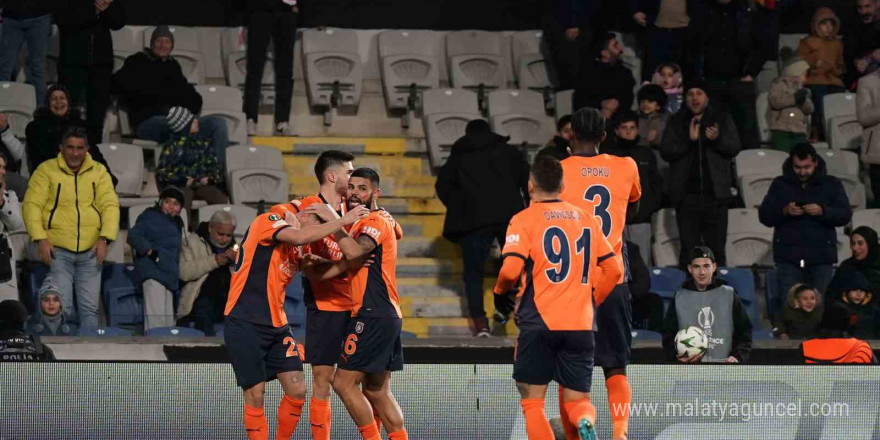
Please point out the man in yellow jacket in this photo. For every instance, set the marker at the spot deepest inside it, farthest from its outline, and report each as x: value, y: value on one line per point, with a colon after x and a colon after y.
x: 72, y: 212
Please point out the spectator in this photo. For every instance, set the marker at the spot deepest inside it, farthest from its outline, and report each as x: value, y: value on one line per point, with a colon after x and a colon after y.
x: 652, y: 115
x: 26, y: 21
x: 72, y: 211
x: 12, y: 152
x: 730, y: 62
x: 824, y: 52
x: 49, y: 319
x: 568, y: 31
x: 865, y: 260
x: 804, y: 206
x: 789, y: 107
x: 606, y: 84
x: 836, y: 344
x: 206, y: 260
x: 801, y: 316
x: 647, y: 307
x: 670, y: 33
x: 276, y: 19
x: 708, y: 303
x: 155, y: 243
x: 868, y: 115
x: 626, y: 144
x: 857, y: 296
x: 151, y: 82
x: 668, y: 77
x: 43, y: 134
x: 861, y: 42
x: 699, y: 143
x: 86, y: 60
x: 10, y: 220
x: 15, y: 344
x: 483, y: 184
x: 188, y: 161
x: 558, y: 146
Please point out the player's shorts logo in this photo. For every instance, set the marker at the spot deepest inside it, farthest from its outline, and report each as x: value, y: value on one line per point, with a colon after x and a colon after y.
x: 359, y: 327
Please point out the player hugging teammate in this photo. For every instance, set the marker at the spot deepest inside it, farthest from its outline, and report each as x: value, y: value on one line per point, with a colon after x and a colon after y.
x: 353, y: 312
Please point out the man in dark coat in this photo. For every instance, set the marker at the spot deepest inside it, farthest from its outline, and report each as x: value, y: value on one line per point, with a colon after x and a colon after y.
x: 86, y: 58
x: 607, y: 85
x: 568, y: 28
x: 483, y: 184
x: 861, y: 41
x: 625, y: 143
x: 699, y: 143
x: 804, y: 206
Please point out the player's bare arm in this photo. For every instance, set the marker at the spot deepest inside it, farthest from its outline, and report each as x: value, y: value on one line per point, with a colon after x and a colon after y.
x: 310, y: 234
x: 316, y: 268
x: 354, y: 249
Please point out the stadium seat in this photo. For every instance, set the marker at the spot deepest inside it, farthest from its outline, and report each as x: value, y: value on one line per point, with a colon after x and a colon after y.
x: 244, y: 157
x: 244, y: 215
x: 754, y: 188
x: 749, y: 242
x: 743, y: 280
x: 520, y: 115
x: 33, y: 275
x: 122, y: 296
x: 233, y: 48
x: 476, y: 61
x: 136, y: 210
x: 18, y: 102
x: 126, y: 42
x: 258, y: 186
x: 116, y: 250
x: 761, y: 106
x: 127, y: 164
x: 844, y: 132
x: 761, y: 335
x: 788, y: 44
x: 646, y: 335
x: 446, y: 112
x: 564, y: 103
x: 409, y: 64
x: 759, y: 161
x: 866, y: 217
x: 666, y: 281
x: 841, y: 163
x: 838, y: 104
x: 530, y: 65
x: 103, y: 332
x: 225, y: 102
x: 174, y: 331
x: 333, y: 68
x: 856, y: 192
x: 768, y: 73
x: 187, y: 51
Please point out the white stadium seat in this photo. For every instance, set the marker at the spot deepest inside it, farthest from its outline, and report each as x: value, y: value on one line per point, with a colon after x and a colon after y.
x: 126, y: 161
x: 520, y: 115
x: 446, y: 112
x: 225, y: 102
x: 409, y: 65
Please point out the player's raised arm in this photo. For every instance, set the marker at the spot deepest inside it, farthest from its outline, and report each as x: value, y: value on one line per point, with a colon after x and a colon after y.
x: 310, y: 234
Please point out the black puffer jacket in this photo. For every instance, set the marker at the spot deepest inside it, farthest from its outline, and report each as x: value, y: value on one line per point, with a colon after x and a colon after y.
x: 483, y: 183
x: 605, y: 81
x: 649, y: 176
x: 726, y: 41
x: 812, y: 239
x: 85, y: 35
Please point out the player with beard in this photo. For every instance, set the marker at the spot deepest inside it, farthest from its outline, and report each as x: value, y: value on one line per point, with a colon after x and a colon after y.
x: 372, y: 347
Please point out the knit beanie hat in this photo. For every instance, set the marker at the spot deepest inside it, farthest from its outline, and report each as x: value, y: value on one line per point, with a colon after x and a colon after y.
x: 796, y: 68
x: 696, y: 83
x: 172, y: 192
x: 588, y: 124
x: 179, y: 118
x: 161, y: 31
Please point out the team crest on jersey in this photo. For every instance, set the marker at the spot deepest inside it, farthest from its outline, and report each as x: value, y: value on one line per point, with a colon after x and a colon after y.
x: 359, y: 327
x: 274, y: 217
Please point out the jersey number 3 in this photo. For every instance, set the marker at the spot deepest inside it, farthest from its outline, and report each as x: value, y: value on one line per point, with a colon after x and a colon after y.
x: 562, y: 258
x: 600, y: 209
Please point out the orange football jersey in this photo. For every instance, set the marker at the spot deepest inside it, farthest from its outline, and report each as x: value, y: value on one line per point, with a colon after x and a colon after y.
x: 604, y: 185
x: 374, y: 288
x: 330, y: 295
x: 561, y: 245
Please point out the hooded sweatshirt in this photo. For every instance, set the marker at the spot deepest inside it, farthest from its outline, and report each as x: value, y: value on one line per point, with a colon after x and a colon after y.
x: 824, y: 54
x: 45, y: 325
x: 864, y: 312
x: 798, y: 323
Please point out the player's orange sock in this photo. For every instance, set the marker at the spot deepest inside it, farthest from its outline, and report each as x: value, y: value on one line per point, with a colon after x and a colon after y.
x: 398, y: 435
x: 580, y: 409
x: 289, y: 412
x: 319, y: 416
x: 619, y: 398
x: 571, y: 432
x: 370, y: 432
x: 255, y: 423
x: 537, y: 425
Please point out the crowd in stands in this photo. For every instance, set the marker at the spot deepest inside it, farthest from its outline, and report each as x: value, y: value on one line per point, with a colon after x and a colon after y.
x: 691, y: 115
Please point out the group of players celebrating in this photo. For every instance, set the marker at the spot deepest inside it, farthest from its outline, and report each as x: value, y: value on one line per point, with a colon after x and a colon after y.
x: 346, y: 247
x: 564, y: 275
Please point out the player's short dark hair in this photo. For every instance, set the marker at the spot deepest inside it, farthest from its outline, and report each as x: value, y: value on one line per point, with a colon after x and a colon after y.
x: 547, y: 173
x: 75, y: 132
x: 329, y: 159
x: 367, y: 173
x: 562, y: 122
x: 803, y: 151
x: 626, y: 115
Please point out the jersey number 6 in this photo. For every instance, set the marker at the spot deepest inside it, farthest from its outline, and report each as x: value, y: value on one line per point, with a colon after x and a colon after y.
x: 562, y: 257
